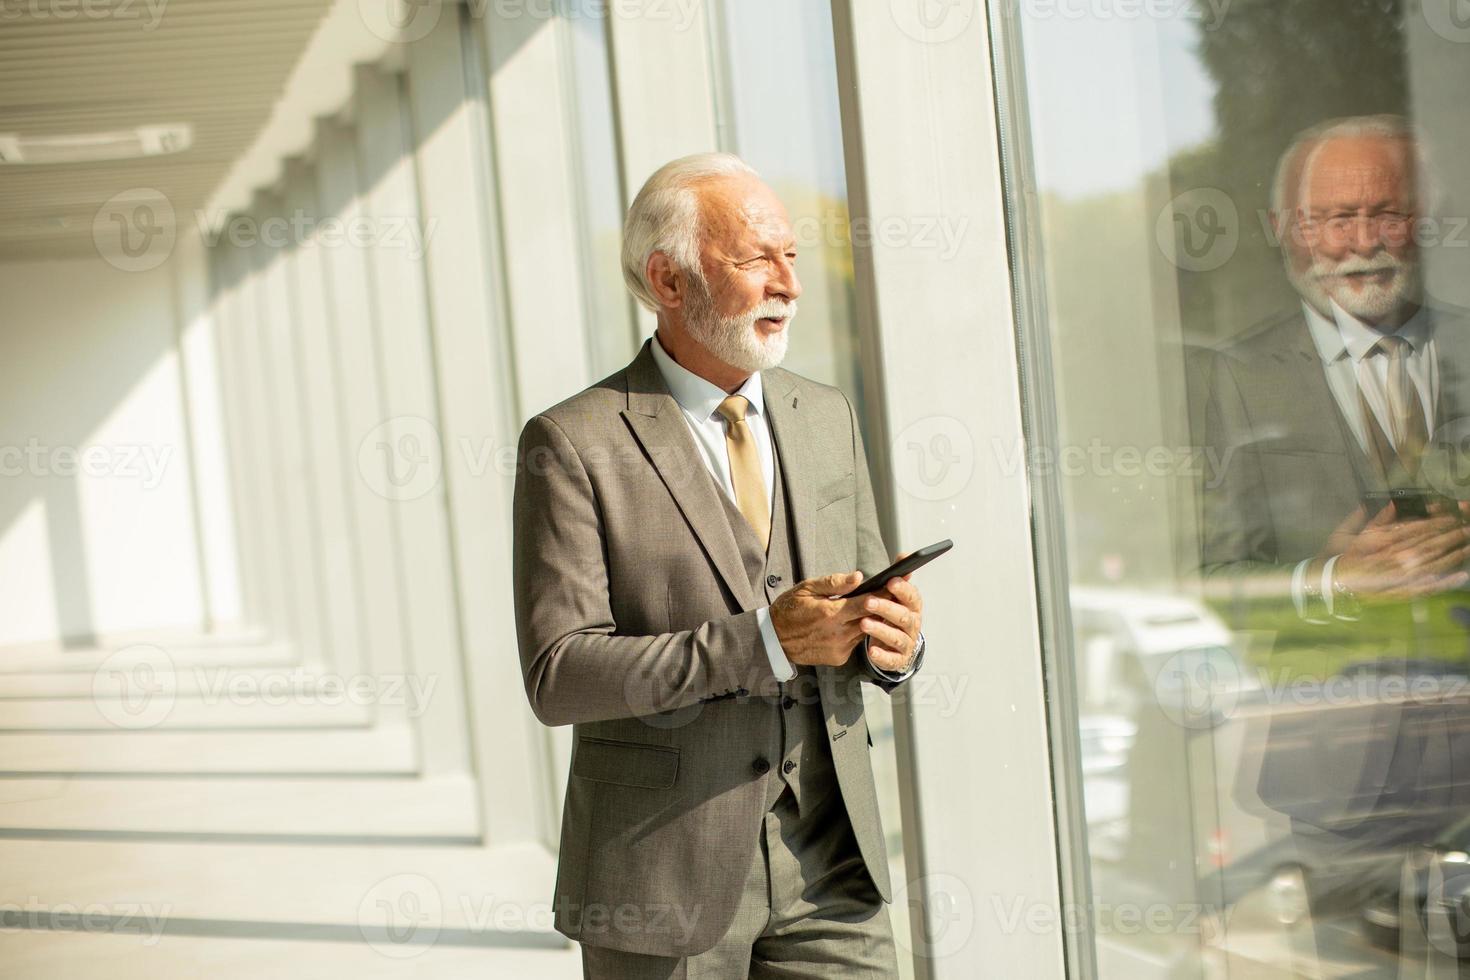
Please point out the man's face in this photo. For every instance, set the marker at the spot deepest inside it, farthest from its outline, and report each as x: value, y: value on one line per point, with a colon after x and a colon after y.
x: 1357, y: 215
x: 748, y: 256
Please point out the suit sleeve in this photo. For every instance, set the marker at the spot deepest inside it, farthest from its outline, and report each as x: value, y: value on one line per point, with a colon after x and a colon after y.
x: 575, y: 668
x: 1237, y: 536
x: 872, y: 554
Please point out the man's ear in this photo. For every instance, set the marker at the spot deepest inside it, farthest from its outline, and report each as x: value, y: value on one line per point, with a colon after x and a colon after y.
x: 666, y: 281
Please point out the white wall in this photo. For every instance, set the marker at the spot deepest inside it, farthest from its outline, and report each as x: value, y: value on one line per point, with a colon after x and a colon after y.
x: 97, y: 533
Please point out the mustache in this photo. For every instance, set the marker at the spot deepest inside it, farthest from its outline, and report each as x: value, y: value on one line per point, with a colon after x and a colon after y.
x: 1357, y: 265
x: 772, y: 309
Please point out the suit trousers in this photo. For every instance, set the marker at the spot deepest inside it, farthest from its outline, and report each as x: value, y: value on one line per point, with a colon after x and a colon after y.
x: 808, y: 910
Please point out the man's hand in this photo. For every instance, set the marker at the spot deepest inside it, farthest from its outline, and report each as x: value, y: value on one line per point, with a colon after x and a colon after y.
x: 813, y: 627
x: 1394, y: 559
x: 892, y: 623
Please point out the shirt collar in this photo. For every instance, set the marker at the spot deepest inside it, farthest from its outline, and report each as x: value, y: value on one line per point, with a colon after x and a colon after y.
x: 1346, y: 335
x: 697, y: 396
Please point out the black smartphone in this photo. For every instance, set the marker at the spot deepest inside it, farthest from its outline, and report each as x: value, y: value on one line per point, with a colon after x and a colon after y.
x: 901, y: 568
x: 1408, y: 504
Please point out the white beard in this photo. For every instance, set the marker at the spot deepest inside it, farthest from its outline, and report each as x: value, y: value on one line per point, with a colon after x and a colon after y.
x: 1310, y: 288
x: 1371, y: 303
x: 734, y: 339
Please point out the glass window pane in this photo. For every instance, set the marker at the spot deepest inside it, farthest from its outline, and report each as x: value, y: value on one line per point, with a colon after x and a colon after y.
x: 1240, y: 291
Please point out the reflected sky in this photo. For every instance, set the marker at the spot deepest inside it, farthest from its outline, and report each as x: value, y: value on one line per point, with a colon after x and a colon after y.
x: 1087, y: 141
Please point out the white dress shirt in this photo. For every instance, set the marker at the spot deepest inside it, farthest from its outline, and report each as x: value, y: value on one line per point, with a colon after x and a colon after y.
x: 1345, y: 340
x: 698, y: 400
x: 1342, y: 343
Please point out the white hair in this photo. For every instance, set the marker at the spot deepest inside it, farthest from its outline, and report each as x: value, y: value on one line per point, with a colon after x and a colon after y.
x: 665, y: 217
x: 1300, y: 144
x: 1310, y: 141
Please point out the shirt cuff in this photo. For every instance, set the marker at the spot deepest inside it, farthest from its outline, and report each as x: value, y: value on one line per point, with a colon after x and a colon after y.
x: 889, y: 676
x: 1302, y: 600
x: 780, y: 665
x: 1299, y: 587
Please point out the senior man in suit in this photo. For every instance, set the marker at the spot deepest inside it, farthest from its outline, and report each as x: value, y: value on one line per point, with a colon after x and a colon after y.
x: 1322, y: 412
x: 681, y: 530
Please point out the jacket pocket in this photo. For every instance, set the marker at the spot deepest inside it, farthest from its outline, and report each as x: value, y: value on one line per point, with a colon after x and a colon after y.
x: 834, y: 490
x: 606, y: 760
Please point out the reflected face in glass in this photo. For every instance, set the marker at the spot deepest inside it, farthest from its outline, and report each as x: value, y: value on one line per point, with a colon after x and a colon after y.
x: 1357, y: 211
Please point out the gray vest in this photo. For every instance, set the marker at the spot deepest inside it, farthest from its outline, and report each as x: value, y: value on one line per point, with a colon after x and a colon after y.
x: 798, y: 751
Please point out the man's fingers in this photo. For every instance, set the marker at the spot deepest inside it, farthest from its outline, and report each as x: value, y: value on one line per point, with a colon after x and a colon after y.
x: 887, y: 634
x: 1448, y: 540
x: 905, y: 592
x: 834, y: 585
x: 899, y: 615
x: 1412, y: 534
x: 1439, y: 568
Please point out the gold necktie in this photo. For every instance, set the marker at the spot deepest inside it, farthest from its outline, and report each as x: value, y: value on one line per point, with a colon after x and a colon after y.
x: 745, y: 468
x: 1408, y: 428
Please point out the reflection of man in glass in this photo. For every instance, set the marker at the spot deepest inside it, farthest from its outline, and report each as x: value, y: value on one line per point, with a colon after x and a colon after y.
x: 1331, y: 406
x: 1330, y: 504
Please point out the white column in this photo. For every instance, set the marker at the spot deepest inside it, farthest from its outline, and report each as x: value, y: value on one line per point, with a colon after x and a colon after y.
x: 266, y: 536
x: 408, y: 469
x: 235, y: 434
x: 208, y: 457
x: 921, y: 145
x: 535, y: 200
x: 291, y: 477
x: 479, y: 420
x: 345, y: 270
x: 321, y: 422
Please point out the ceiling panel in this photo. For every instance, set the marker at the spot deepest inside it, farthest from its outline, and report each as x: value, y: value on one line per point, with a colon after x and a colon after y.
x: 83, y: 66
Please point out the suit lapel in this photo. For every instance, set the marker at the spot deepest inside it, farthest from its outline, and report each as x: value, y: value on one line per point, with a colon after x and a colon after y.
x: 658, y: 425
x: 1312, y: 387
x: 797, y: 457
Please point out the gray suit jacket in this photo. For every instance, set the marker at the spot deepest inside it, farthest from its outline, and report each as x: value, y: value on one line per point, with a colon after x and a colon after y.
x: 1291, y: 470
x: 636, y: 623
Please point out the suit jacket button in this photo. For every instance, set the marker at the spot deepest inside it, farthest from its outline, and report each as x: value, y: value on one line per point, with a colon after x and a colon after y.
x: 761, y: 767
x: 772, y: 581
x: 788, y: 766
x: 788, y: 702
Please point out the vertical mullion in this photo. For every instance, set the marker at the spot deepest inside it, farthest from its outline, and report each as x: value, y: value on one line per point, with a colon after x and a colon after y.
x: 921, y: 144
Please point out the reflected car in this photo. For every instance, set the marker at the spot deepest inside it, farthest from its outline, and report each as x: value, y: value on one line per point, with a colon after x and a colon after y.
x: 1139, y: 648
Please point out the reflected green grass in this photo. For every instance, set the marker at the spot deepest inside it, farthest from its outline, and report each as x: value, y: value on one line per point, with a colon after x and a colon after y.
x: 1284, y: 647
